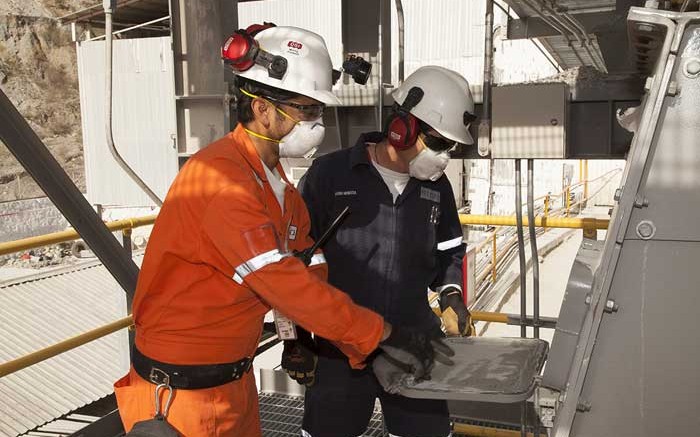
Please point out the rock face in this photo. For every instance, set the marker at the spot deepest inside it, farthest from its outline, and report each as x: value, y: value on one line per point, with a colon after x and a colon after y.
x: 38, y: 73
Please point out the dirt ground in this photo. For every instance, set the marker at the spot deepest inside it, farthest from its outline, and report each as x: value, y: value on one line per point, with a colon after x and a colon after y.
x: 38, y: 73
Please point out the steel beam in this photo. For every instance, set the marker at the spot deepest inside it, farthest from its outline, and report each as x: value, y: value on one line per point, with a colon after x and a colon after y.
x: 107, y: 426
x: 36, y: 158
x: 535, y: 27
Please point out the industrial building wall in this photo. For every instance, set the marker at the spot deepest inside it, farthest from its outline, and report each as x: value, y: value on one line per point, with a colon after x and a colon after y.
x: 448, y: 33
x: 144, y: 119
x: 325, y: 19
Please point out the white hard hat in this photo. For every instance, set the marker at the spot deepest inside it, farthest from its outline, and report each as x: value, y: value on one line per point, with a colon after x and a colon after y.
x: 309, y: 67
x: 447, y: 104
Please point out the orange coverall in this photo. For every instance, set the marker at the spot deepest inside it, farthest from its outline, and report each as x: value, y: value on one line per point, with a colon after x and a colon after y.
x: 195, y: 305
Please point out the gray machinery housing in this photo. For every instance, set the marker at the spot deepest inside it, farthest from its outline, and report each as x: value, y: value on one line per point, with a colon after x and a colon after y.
x: 623, y: 360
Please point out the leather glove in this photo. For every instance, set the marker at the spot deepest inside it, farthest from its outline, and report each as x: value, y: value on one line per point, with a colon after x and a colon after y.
x: 299, y: 358
x: 415, y: 351
x: 455, y: 315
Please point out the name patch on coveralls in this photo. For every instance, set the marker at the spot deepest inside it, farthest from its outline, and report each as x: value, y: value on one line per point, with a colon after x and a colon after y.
x: 346, y: 193
x: 428, y: 194
x: 292, y: 233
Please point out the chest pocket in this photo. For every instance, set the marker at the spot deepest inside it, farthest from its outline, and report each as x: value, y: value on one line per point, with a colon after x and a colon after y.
x: 346, y: 199
x: 431, y: 220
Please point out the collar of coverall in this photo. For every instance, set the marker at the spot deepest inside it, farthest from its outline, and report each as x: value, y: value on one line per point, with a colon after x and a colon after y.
x: 246, y: 147
x: 358, y: 154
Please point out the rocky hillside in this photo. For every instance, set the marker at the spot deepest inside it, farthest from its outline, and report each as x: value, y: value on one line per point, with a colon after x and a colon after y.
x: 38, y: 73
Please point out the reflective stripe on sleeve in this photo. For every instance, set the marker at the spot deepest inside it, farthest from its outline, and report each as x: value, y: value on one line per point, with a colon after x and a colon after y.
x: 256, y: 263
x: 441, y: 288
x: 450, y: 244
x: 317, y: 259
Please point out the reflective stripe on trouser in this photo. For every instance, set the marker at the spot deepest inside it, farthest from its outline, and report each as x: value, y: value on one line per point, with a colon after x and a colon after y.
x: 227, y: 410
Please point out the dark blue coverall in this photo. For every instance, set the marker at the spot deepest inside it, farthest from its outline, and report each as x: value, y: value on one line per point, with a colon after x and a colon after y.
x: 385, y: 255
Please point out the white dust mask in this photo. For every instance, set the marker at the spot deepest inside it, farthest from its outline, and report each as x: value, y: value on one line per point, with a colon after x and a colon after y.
x: 428, y: 165
x: 303, y: 140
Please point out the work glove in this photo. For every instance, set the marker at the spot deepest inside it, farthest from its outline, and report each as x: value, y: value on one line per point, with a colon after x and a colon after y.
x: 415, y: 352
x: 299, y: 358
x: 455, y: 315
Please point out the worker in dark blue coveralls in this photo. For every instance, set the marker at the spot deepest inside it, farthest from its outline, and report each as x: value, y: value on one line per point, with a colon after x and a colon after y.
x: 401, y: 238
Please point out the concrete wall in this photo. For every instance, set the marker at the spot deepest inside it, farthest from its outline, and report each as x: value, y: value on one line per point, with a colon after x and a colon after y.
x: 27, y: 218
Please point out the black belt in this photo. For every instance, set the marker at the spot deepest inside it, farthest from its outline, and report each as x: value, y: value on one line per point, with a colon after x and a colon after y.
x: 189, y: 377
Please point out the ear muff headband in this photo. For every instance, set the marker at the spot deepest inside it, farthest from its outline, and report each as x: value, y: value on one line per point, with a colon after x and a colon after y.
x: 402, y: 127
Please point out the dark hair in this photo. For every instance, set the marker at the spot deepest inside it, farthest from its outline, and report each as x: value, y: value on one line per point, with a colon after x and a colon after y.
x: 243, y: 108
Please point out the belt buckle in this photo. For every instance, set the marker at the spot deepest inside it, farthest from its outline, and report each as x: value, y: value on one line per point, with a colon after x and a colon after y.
x: 158, y: 376
x: 242, y: 368
x: 248, y: 365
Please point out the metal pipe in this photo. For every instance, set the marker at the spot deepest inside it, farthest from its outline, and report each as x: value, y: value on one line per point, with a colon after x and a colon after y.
x: 541, y: 222
x: 685, y: 5
x: 402, y: 38
x: 137, y: 26
x: 597, y: 63
x: 494, y: 258
x: 555, y: 25
x: 70, y: 235
x: 63, y: 346
x: 109, y: 6
x: 37, y: 160
x: 339, y: 137
x: 533, y: 248
x: 488, y: 64
x: 484, y: 130
x: 521, y: 246
x: 380, y: 61
x: 546, y: 55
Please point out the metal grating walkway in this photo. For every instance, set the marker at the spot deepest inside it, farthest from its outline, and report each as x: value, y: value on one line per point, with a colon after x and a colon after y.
x: 280, y: 416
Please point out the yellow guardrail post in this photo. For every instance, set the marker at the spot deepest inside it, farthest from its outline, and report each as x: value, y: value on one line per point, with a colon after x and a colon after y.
x: 585, y: 179
x: 589, y: 229
x: 567, y: 193
x: 546, y: 204
x: 494, y: 258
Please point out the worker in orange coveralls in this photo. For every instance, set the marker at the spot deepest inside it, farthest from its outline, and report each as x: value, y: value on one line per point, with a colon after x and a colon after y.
x: 222, y: 254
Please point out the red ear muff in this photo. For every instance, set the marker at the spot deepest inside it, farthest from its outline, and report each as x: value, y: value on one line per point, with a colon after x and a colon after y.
x: 402, y: 131
x: 239, y: 51
x: 402, y: 128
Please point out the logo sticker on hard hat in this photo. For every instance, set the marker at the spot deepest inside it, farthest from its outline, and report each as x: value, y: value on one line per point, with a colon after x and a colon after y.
x: 292, y: 47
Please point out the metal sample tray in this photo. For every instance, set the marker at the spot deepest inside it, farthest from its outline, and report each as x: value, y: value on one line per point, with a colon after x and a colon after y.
x: 501, y: 370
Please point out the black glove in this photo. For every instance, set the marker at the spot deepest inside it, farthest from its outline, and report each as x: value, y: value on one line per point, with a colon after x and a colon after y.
x: 299, y: 358
x: 455, y: 315
x: 415, y: 351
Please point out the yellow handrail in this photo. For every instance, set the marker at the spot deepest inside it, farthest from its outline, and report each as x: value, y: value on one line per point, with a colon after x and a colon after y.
x: 110, y: 328
x: 70, y: 235
x: 63, y: 346
x: 543, y: 222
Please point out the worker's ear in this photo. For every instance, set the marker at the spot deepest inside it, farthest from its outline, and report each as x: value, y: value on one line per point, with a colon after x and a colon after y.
x: 261, y: 111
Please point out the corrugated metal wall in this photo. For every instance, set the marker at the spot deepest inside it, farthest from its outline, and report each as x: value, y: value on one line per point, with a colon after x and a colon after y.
x: 144, y: 119
x: 321, y: 16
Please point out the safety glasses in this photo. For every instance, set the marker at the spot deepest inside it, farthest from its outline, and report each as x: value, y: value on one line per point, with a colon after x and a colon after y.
x: 308, y: 112
x: 435, y: 143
